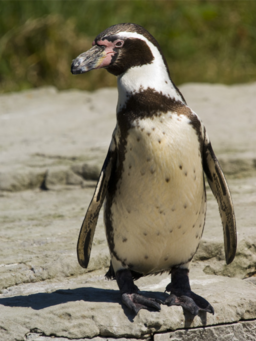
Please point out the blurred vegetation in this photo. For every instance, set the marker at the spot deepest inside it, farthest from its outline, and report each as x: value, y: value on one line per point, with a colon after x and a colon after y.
x: 203, y: 41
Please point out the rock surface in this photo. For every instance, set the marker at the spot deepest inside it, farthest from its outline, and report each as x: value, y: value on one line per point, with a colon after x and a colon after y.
x: 232, y: 332
x: 52, y: 146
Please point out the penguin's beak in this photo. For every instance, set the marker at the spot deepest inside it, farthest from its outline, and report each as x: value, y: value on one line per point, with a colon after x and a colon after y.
x: 89, y: 60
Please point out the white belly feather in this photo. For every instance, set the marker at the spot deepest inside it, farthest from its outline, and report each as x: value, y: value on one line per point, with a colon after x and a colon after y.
x: 159, y: 209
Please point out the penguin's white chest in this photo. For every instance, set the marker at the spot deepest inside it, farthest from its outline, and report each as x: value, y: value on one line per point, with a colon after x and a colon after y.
x: 158, y: 210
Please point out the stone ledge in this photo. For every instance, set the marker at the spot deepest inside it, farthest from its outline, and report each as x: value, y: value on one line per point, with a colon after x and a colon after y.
x: 89, y: 307
x: 61, y: 132
x: 240, y: 331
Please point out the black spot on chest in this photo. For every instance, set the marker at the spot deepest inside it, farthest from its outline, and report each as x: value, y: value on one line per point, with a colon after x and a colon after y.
x: 146, y: 104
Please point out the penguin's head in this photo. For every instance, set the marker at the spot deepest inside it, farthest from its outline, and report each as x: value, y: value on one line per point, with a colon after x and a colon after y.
x: 119, y: 48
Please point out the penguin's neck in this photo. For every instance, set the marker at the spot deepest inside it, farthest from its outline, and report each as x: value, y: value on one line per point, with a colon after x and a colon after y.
x: 153, y: 77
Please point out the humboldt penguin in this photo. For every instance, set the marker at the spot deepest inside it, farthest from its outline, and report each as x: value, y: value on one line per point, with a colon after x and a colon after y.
x: 152, y: 179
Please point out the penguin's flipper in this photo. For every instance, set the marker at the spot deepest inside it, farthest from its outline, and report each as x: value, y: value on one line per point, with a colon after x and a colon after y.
x: 219, y: 187
x: 84, y: 243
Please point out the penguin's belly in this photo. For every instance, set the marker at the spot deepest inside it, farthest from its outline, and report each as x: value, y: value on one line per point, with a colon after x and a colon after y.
x: 158, y: 210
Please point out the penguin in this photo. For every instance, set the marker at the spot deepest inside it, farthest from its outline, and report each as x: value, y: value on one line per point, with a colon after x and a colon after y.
x: 152, y: 179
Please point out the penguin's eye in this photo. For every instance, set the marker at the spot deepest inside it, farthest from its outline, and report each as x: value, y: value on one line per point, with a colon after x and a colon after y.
x: 119, y: 43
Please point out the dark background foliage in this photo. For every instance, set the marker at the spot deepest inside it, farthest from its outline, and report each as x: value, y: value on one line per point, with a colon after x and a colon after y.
x: 203, y: 41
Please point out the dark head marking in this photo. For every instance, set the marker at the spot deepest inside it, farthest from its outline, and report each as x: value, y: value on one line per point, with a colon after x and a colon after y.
x: 117, y: 51
x: 141, y: 53
x: 131, y: 51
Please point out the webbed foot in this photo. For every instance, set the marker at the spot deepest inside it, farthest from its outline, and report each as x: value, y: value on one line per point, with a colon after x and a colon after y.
x: 135, y: 302
x: 130, y: 296
x: 181, y: 294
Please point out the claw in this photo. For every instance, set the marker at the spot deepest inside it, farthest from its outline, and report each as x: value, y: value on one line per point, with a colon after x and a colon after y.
x: 130, y: 298
x: 181, y: 294
x: 202, y: 303
x: 183, y: 301
x: 189, y: 303
x: 135, y: 302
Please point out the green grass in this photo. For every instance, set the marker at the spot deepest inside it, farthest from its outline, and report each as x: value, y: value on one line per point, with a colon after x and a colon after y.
x: 203, y: 41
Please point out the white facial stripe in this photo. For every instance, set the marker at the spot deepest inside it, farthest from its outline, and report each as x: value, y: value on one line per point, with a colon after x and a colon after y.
x: 154, y: 75
x: 153, y: 48
x: 157, y: 55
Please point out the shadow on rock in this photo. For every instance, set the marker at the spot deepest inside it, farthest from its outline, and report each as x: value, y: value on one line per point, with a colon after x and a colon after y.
x: 89, y: 294
x: 43, y: 300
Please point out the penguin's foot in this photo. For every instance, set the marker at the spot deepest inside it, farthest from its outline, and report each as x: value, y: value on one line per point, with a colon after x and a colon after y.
x: 135, y: 302
x: 182, y: 295
x: 190, y: 302
x: 130, y: 296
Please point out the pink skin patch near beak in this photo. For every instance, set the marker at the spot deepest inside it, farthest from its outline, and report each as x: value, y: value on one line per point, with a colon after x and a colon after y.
x: 108, y: 53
